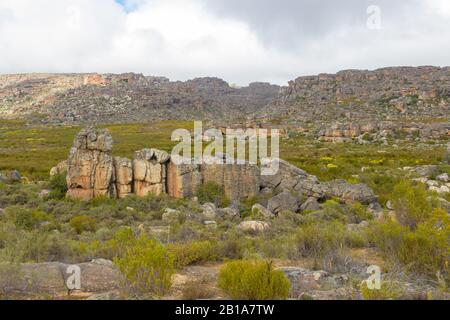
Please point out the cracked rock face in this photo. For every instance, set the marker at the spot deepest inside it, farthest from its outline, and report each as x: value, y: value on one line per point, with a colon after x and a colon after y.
x: 90, y: 167
x: 150, y: 172
x: 237, y: 180
x: 124, y: 176
x: 93, y: 172
x: 183, y: 180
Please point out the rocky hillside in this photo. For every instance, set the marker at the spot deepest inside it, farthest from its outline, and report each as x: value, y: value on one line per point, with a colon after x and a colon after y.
x: 358, y: 94
x: 95, y: 98
x: 415, y: 99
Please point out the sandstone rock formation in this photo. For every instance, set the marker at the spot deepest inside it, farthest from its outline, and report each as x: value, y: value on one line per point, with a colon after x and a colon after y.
x: 237, y: 180
x: 150, y: 172
x: 183, y: 179
x: 124, y: 176
x: 290, y: 180
x: 90, y: 167
x: 93, y: 172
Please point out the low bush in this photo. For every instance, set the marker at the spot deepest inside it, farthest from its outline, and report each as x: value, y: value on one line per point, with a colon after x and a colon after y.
x: 411, y: 203
x: 212, y: 192
x: 193, y: 252
x: 425, y: 250
x: 10, y: 276
x: 253, y: 280
x: 147, y: 266
x: 327, y: 243
x: 83, y: 223
x: 27, y: 219
x: 58, y: 186
x: 389, y: 290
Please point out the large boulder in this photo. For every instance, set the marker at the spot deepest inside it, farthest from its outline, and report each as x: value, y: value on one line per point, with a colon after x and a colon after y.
x: 350, y: 193
x: 285, y: 201
x: 258, y: 209
x: 254, y: 226
x: 150, y: 172
x: 90, y: 167
x: 52, y: 278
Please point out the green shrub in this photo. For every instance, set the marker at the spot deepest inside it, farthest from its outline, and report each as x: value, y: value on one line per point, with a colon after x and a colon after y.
x: 83, y: 223
x: 210, y: 192
x: 411, y: 203
x: 26, y: 218
x: 359, y: 213
x: 58, y: 186
x: 253, y: 280
x: 327, y: 243
x: 193, y: 252
x: 147, y: 266
x: 10, y: 276
x: 425, y: 250
x: 390, y: 290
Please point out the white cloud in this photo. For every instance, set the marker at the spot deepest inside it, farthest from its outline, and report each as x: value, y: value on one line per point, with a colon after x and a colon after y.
x: 183, y: 39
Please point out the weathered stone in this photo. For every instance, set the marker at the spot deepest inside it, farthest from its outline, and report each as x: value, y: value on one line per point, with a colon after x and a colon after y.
x: 229, y: 213
x: 350, y: 193
x: 285, y: 201
x: 15, y: 176
x: 183, y: 180
x: 59, y: 168
x: 150, y: 172
x: 124, y: 176
x: 443, y: 177
x: 259, y: 209
x: 91, y: 166
x: 254, y: 226
x: 311, y: 204
x: 44, y: 193
x: 209, y: 211
x: 239, y: 181
x: 171, y: 215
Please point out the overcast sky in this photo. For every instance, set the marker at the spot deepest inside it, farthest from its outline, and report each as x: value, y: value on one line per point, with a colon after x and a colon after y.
x: 238, y: 40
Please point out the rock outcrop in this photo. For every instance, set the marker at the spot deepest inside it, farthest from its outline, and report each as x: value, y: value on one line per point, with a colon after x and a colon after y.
x: 292, y: 180
x: 183, y: 180
x: 90, y: 167
x: 124, y: 176
x: 150, y: 172
x: 93, y: 172
x: 236, y: 180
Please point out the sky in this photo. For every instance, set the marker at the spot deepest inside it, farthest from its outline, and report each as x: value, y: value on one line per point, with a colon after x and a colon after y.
x: 240, y: 41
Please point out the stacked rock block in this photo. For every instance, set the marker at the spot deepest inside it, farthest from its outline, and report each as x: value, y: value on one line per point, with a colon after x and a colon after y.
x: 93, y: 172
x: 124, y: 176
x: 150, y: 172
x: 90, y: 165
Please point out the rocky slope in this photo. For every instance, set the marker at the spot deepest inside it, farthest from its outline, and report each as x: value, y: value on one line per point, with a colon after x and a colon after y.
x: 351, y: 105
x: 95, y: 98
